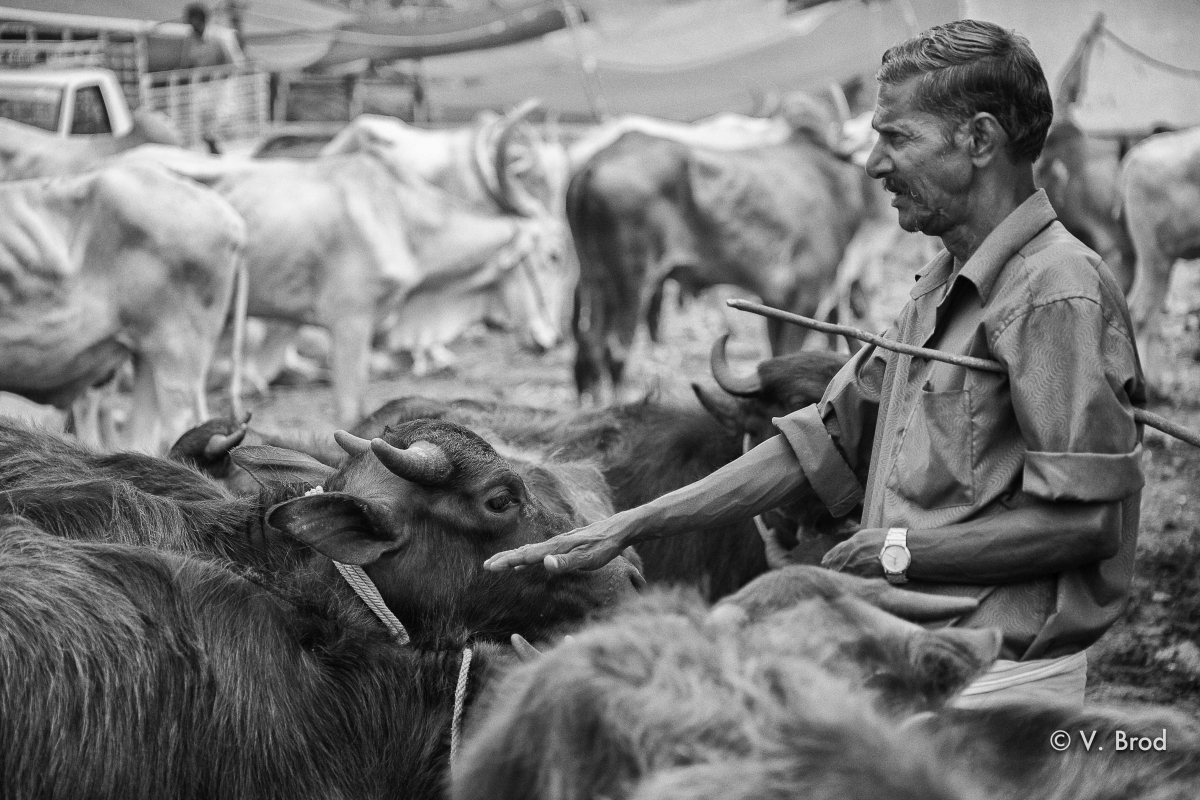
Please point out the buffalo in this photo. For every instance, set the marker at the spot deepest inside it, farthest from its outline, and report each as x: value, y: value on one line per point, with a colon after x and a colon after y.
x: 670, y: 700
x: 774, y: 220
x: 419, y: 509
x: 211, y: 648
x: 644, y: 449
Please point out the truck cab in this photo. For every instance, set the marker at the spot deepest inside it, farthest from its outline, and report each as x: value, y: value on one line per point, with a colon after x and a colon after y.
x: 68, y: 102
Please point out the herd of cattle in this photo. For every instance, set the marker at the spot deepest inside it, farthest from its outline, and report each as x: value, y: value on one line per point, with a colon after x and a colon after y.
x: 181, y: 625
x: 397, y: 238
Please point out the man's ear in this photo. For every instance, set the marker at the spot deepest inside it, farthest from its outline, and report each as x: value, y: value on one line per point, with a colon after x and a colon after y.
x: 987, y: 138
x: 337, y: 525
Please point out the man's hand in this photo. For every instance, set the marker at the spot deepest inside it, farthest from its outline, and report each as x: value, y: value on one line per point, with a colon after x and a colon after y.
x: 590, y: 547
x: 858, y: 555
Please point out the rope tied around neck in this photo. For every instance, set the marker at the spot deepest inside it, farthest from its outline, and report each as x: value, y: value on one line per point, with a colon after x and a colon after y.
x: 366, y: 590
x: 460, y: 701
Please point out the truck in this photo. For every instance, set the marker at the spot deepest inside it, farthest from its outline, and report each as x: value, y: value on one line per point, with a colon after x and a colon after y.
x: 68, y: 102
x: 78, y: 82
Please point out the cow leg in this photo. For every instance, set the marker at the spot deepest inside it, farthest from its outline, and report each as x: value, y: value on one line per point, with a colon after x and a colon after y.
x: 587, y: 324
x: 1146, y: 298
x: 350, y: 363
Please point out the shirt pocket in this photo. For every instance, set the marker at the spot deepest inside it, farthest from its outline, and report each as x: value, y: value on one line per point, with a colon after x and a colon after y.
x: 935, y: 463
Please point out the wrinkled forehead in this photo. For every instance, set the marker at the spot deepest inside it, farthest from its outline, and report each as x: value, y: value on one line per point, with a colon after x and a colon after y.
x: 899, y: 105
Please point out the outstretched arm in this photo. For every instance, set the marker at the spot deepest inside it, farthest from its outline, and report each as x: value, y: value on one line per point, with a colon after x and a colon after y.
x: 754, y: 483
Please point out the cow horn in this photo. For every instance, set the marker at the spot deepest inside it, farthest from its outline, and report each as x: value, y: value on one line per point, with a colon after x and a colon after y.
x: 421, y: 462
x: 920, y: 607
x: 513, y: 197
x: 219, y: 445
x: 738, y: 386
x: 351, y: 443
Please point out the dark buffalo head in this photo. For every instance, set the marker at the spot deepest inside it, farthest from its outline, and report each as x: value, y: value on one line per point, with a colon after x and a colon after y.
x: 864, y: 630
x: 778, y: 386
x: 666, y: 687
x: 420, y: 509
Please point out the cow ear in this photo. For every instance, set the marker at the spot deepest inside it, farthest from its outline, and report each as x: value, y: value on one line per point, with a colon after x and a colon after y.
x: 337, y: 525
x: 946, y: 660
x: 724, y: 410
x: 280, y: 465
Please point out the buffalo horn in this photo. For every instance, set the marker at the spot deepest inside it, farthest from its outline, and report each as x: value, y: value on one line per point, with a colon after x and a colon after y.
x: 920, y: 607
x: 738, y: 386
x: 219, y: 445
x: 351, y: 443
x: 421, y: 462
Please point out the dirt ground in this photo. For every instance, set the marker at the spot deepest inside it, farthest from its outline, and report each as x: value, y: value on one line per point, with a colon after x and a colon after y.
x: 1152, y: 654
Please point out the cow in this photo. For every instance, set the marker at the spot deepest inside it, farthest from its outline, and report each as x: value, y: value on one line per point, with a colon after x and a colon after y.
x: 128, y: 263
x: 398, y: 505
x: 669, y: 700
x: 1160, y: 190
x: 30, y: 152
x: 1081, y: 182
x: 352, y: 244
x: 172, y: 674
x: 774, y: 220
x: 644, y: 449
x: 1097, y: 752
x: 472, y: 163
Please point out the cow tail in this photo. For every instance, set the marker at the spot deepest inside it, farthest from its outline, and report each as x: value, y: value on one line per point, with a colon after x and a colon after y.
x: 241, y: 302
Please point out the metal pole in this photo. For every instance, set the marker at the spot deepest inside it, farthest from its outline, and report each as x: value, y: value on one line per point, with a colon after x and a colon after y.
x: 1139, y: 414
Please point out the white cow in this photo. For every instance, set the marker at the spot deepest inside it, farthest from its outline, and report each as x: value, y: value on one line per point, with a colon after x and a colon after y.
x: 126, y: 263
x: 1160, y: 194
x: 354, y: 245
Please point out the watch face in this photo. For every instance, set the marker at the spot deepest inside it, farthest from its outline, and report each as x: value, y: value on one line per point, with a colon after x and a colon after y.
x: 894, y: 558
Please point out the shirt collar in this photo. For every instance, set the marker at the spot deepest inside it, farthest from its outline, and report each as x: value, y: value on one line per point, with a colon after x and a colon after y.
x: 984, y: 266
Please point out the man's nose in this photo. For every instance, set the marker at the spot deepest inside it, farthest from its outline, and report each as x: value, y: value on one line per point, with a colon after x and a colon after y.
x: 878, y: 164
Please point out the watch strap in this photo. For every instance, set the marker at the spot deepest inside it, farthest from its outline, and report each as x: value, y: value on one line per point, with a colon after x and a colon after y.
x: 896, y: 537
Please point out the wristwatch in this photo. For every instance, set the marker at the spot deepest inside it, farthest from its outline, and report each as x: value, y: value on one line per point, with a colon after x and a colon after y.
x: 894, y: 557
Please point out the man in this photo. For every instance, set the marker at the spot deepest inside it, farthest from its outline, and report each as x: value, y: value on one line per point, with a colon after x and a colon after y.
x: 1021, y: 490
x: 199, y: 51
x: 209, y: 100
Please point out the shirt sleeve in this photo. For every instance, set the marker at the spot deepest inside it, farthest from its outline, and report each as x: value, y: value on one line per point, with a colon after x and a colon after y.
x: 833, y: 438
x: 1073, y: 376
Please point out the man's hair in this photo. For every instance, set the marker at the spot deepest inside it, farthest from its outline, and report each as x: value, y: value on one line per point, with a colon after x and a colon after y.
x: 196, y: 10
x: 967, y: 67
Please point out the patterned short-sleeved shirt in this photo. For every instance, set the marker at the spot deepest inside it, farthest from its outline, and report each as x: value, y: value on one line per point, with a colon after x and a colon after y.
x: 924, y: 444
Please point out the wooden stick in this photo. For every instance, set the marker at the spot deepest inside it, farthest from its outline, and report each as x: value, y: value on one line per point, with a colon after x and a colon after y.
x: 1139, y: 414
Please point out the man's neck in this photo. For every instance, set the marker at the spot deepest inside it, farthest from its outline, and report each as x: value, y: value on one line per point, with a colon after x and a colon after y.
x: 997, y: 196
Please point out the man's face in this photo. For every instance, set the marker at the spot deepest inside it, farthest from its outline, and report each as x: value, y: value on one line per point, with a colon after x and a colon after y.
x: 929, y: 175
x: 198, y: 23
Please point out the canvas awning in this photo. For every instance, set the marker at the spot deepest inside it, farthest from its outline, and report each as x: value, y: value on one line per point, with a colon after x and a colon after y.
x: 1115, y: 89
x: 418, y: 32
x: 684, y: 61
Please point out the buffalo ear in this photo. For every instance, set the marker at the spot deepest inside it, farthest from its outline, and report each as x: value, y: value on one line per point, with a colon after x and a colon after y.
x: 724, y: 410
x: 948, y: 659
x: 337, y: 525
x: 280, y: 465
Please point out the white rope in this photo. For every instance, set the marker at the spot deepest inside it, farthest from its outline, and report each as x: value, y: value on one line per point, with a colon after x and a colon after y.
x: 365, y: 589
x: 460, y: 701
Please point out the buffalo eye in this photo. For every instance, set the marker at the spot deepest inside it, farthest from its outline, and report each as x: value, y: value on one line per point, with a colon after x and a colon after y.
x: 502, y: 501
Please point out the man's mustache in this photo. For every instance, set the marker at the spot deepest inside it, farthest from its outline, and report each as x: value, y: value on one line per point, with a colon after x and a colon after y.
x: 895, y: 187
